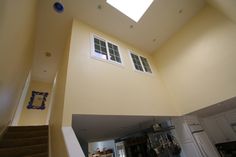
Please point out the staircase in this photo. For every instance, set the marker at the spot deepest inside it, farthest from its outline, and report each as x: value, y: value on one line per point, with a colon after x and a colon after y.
x: 25, y: 141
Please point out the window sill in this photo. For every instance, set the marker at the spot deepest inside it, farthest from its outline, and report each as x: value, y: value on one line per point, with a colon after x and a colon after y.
x: 121, y: 65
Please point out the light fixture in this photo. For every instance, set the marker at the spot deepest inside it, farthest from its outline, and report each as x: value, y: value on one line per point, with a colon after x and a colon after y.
x: 58, y: 7
x: 134, y: 9
x: 48, y: 54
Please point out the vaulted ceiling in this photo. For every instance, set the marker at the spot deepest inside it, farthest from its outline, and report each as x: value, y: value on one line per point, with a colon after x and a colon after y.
x: 160, y: 22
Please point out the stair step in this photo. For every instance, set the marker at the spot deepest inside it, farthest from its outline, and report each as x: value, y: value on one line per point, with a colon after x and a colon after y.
x: 38, y: 155
x: 6, y: 143
x: 27, y: 128
x: 24, y: 151
x: 27, y: 134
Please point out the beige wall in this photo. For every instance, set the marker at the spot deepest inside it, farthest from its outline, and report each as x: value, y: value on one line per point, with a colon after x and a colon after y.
x: 17, y: 23
x: 198, y: 63
x: 57, y: 144
x: 35, y: 116
x: 98, y: 87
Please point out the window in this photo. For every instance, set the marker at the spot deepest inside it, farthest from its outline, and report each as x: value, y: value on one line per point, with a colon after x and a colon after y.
x: 114, y: 53
x: 140, y: 63
x: 100, y: 48
x: 103, y: 49
x: 136, y: 61
x: 145, y: 64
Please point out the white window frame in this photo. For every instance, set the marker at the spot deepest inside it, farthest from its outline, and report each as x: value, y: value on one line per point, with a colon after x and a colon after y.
x: 93, y: 53
x: 134, y: 68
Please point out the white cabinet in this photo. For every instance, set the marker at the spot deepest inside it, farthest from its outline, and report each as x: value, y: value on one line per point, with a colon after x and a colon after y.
x: 226, y: 128
x: 193, y: 139
x: 212, y: 130
x: 185, y: 138
x: 190, y: 149
x: 191, y: 120
x: 231, y: 117
x: 219, y: 127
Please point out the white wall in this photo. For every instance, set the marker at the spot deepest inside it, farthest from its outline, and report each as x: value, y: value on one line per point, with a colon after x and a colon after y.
x: 35, y: 116
x: 22, y: 101
x: 98, y: 87
x: 17, y: 23
x: 55, y: 122
x: 198, y: 63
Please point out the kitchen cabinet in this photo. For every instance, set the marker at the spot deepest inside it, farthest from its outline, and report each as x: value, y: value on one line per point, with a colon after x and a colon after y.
x: 219, y: 127
x: 213, y: 131
x: 185, y: 138
x: 231, y: 117
x: 226, y: 128
x: 193, y: 138
x: 190, y: 149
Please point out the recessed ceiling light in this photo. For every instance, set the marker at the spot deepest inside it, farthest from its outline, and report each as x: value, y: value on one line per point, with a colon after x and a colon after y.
x: 58, y: 7
x: 99, y: 7
x: 48, y: 54
x: 134, y: 9
x: 180, y: 11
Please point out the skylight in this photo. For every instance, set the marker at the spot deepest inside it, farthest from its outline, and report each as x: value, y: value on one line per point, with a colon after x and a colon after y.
x: 134, y: 9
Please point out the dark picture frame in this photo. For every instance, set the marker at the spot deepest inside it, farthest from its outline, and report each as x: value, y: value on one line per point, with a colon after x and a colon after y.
x: 41, y: 105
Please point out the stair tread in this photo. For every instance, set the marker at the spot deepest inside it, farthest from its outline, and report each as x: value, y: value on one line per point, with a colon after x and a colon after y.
x: 38, y: 155
x: 24, y: 150
x: 23, y: 141
x: 29, y: 134
x: 19, y: 147
x: 26, y: 128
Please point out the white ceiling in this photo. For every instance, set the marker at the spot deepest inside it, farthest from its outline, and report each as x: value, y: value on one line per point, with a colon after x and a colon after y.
x: 163, y: 18
x: 220, y: 107
x: 227, y: 7
x: 160, y: 22
x: 93, y: 128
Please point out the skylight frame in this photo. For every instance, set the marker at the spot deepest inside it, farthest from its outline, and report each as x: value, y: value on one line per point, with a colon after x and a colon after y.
x: 134, y: 9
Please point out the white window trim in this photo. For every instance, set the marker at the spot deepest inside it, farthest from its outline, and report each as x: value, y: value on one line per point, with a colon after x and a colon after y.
x: 142, y: 72
x: 101, y: 59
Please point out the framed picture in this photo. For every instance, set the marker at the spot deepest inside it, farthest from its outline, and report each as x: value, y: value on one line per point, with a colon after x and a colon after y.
x: 37, y: 100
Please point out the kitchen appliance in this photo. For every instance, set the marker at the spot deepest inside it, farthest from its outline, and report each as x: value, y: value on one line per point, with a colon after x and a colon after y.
x: 120, y: 149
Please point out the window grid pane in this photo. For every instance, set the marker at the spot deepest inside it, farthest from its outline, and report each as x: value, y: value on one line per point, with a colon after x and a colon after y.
x: 100, y: 47
x: 145, y: 64
x: 114, y: 53
x: 136, y: 61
